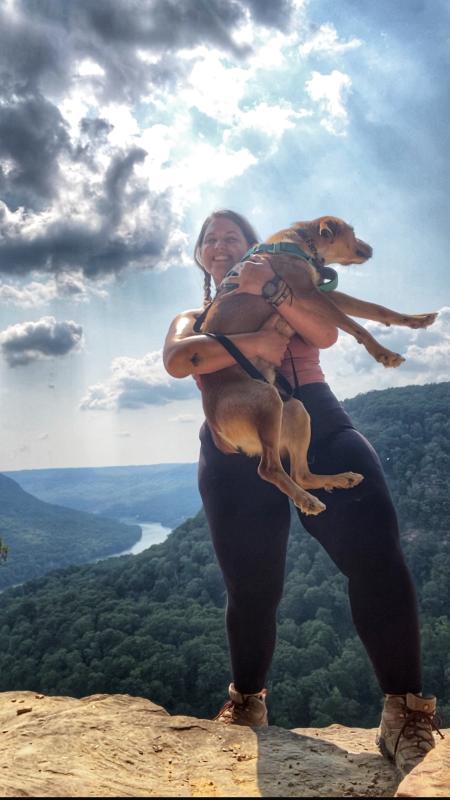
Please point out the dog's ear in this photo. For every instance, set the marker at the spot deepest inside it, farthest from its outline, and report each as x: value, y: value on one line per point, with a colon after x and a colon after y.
x: 328, y: 229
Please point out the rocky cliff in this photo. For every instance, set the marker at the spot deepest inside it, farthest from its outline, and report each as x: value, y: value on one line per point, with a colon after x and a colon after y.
x: 117, y: 745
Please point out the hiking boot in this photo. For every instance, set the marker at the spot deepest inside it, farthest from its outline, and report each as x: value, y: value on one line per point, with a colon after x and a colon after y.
x: 405, y: 734
x: 244, y: 709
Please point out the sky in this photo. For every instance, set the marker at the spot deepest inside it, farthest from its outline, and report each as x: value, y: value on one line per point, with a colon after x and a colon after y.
x: 124, y: 123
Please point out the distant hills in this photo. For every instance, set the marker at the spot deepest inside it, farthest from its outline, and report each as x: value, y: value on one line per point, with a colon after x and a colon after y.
x: 153, y: 624
x: 42, y: 537
x: 165, y: 493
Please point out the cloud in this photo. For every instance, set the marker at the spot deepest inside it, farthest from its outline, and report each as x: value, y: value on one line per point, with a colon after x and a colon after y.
x: 27, y: 342
x: 33, y: 135
x: 427, y: 352
x: 30, y: 296
x: 326, y: 41
x: 77, y: 195
x: 272, y: 14
x: 61, y: 287
x: 101, y: 228
x: 128, y: 44
x: 329, y: 92
x: 136, y: 383
x: 183, y: 418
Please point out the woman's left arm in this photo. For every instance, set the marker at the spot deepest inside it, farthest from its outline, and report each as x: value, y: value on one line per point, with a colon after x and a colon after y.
x: 313, y: 329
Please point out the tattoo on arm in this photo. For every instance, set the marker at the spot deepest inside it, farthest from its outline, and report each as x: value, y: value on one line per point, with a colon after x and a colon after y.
x: 195, y: 359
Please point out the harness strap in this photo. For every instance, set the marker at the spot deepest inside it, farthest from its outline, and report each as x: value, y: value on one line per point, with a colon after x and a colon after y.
x: 282, y: 384
x: 294, y: 371
x: 328, y: 275
x: 279, y: 247
x: 197, y: 327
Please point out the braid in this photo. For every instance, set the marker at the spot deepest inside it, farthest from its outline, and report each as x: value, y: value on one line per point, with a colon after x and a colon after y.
x: 206, y: 288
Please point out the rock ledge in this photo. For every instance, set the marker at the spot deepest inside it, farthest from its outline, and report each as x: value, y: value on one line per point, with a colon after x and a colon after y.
x: 123, y: 746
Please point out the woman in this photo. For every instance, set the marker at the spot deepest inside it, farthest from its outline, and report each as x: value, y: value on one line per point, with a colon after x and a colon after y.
x: 249, y: 518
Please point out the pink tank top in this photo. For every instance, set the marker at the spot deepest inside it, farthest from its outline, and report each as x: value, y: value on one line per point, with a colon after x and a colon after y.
x: 306, y: 363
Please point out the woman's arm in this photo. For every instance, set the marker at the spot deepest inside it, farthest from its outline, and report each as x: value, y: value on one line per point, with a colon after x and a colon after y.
x: 187, y: 353
x: 314, y: 329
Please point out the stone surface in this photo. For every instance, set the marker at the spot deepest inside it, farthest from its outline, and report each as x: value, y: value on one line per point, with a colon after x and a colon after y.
x: 122, y: 746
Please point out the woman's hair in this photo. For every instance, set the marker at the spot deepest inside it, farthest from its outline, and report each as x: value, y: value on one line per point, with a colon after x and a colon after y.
x: 248, y: 231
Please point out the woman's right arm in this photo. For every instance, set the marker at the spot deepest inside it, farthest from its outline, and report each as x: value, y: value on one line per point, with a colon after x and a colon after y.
x: 188, y: 353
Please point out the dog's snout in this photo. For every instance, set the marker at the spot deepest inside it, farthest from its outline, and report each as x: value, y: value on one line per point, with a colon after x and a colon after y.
x: 363, y: 250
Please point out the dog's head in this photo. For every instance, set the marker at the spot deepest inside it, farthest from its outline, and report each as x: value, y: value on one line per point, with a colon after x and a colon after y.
x: 334, y: 240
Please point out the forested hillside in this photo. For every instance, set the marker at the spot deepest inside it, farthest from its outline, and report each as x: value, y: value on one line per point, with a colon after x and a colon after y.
x: 165, y: 493
x: 153, y: 624
x: 42, y: 537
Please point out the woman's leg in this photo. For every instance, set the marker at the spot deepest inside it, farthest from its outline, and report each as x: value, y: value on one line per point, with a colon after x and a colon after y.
x: 359, y: 530
x: 249, y: 523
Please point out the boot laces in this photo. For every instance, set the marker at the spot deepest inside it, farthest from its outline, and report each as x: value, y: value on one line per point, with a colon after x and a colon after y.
x: 231, y: 710
x: 418, y: 725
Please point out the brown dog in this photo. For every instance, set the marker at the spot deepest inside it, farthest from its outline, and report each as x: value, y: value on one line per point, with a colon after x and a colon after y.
x: 248, y: 415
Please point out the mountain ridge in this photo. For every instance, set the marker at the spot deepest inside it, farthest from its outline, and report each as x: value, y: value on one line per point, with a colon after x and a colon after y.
x: 165, y: 493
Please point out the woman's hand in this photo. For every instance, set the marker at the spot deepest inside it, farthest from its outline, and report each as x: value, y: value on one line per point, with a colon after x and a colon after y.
x: 254, y: 273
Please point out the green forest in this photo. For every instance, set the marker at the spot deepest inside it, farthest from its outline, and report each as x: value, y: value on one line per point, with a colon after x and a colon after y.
x: 41, y: 537
x: 152, y: 624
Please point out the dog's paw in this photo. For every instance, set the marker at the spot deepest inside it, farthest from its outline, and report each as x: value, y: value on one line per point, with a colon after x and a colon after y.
x: 346, y: 480
x: 343, y: 480
x: 388, y: 358
x: 419, y: 320
x: 310, y: 505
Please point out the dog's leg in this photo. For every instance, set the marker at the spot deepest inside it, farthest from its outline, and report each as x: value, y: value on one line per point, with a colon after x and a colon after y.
x: 295, y: 439
x: 321, y: 304
x: 361, y: 308
x: 222, y: 444
x: 301, y: 283
x: 268, y: 426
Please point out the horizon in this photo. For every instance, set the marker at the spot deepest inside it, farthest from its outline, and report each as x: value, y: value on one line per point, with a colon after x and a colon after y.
x: 120, y: 132
x: 181, y: 463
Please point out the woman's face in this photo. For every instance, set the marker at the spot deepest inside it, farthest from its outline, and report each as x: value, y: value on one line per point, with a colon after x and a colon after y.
x: 223, y: 246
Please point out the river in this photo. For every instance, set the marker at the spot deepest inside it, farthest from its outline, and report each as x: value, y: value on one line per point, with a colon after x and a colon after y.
x: 152, y: 533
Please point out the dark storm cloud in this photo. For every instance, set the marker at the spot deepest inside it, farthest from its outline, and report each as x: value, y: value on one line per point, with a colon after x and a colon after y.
x: 160, y: 23
x: 32, y: 137
x: 27, y: 342
x: 112, y: 31
x: 40, y: 40
x: 29, y: 51
x: 41, y: 47
x: 95, y: 247
x: 116, y: 179
x: 266, y: 12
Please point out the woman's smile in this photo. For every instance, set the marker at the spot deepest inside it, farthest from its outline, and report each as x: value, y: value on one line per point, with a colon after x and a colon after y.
x: 223, y: 246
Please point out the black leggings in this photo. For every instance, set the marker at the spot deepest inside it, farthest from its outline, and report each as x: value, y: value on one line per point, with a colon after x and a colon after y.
x: 249, y: 523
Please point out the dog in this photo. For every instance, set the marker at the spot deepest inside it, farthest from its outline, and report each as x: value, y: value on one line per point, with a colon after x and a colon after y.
x: 247, y: 415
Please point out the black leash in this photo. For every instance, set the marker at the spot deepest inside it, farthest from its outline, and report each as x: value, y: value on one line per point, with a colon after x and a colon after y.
x: 281, y: 383
x: 197, y: 328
